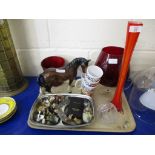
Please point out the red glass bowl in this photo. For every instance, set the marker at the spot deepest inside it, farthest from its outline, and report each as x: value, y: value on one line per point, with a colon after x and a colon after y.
x: 53, y: 62
x: 109, y: 61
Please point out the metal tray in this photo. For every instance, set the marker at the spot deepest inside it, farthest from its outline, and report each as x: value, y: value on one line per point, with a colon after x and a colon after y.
x: 101, y: 95
x: 32, y: 123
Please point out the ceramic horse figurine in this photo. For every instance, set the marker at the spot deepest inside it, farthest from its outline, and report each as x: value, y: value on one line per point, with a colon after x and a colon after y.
x: 52, y: 78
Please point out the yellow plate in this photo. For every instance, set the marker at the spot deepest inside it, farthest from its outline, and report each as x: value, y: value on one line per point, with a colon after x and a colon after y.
x: 7, y: 105
x: 8, y: 117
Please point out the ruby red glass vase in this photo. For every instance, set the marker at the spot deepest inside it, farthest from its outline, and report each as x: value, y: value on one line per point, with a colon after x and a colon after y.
x: 109, y: 61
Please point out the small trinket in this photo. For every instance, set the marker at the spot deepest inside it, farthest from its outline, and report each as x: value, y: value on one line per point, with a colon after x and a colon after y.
x: 41, y: 108
x: 87, y: 117
x: 51, y: 99
x: 87, y: 114
x: 56, y: 110
x: 70, y: 110
x: 77, y: 121
x: 70, y: 116
x: 54, y: 105
x: 46, y: 102
x: 43, y: 121
x: 39, y: 117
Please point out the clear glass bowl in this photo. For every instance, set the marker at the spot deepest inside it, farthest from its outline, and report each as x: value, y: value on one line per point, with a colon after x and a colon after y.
x: 142, y: 96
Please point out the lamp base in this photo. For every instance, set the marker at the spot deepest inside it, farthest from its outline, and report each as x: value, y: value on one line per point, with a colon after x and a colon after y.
x: 14, y: 92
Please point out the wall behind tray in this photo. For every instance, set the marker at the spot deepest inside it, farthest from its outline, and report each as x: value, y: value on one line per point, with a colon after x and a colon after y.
x: 36, y: 39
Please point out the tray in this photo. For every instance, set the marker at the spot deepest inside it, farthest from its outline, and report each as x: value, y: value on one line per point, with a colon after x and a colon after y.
x: 101, y: 95
x: 83, y: 98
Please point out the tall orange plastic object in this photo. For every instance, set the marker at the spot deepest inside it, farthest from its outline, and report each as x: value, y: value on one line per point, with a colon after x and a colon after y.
x: 133, y: 31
